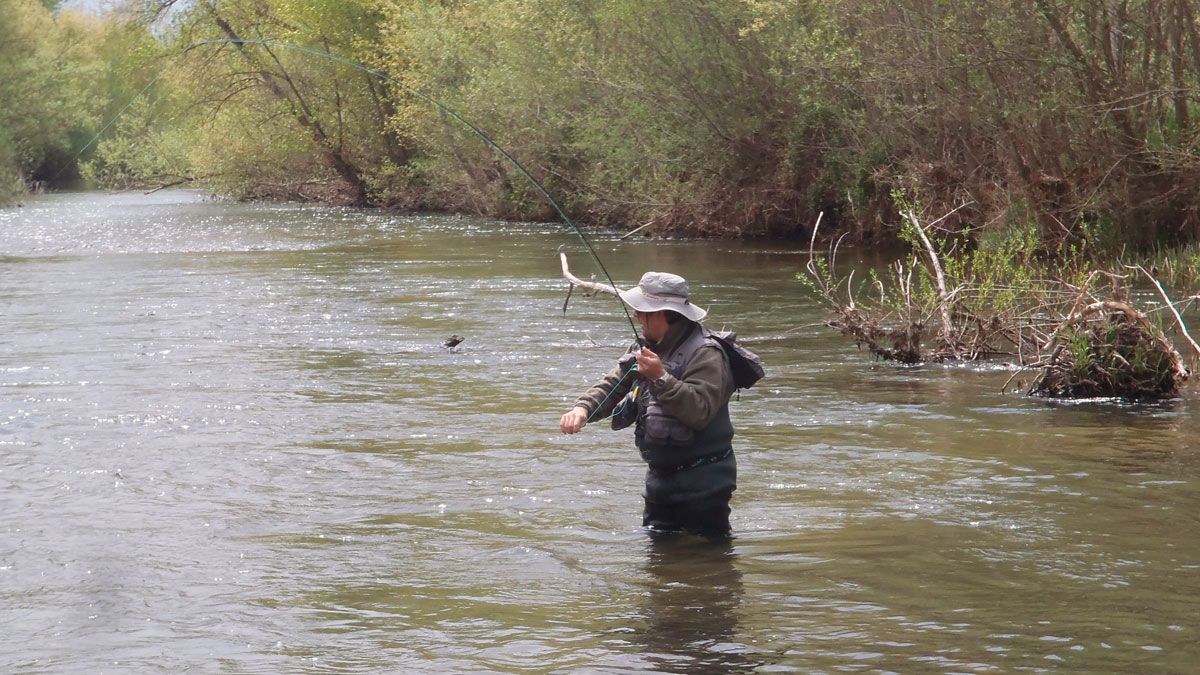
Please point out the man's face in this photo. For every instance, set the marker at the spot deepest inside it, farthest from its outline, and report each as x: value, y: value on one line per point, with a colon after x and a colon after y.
x: 654, y: 324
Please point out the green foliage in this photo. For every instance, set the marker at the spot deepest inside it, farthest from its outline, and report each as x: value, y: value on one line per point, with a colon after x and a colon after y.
x: 1112, y: 356
x: 701, y: 116
x: 1080, y: 345
x: 684, y: 112
x: 1177, y: 267
x: 137, y: 151
x: 45, y: 67
x: 151, y: 130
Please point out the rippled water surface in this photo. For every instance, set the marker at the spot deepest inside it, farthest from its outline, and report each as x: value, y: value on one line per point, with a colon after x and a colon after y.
x: 231, y: 441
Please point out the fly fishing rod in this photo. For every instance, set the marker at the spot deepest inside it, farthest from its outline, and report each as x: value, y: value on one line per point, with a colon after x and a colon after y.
x: 413, y: 92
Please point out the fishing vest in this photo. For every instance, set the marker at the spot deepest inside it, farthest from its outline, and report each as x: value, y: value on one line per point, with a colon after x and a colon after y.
x: 665, y: 443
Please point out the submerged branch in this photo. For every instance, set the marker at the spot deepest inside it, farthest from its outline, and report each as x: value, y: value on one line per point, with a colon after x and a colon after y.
x: 1080, y: 329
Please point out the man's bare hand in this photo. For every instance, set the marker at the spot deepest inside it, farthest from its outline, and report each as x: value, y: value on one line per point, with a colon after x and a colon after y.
x: 574, y: 420
x: 649, y: 365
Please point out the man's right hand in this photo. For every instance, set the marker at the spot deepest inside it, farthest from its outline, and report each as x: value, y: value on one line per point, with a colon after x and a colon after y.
x: 573, y: 421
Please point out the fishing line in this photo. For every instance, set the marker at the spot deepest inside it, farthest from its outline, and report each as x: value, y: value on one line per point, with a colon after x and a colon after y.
x: 120, y: 112
x: 414, y: 92
x: 633, y: 368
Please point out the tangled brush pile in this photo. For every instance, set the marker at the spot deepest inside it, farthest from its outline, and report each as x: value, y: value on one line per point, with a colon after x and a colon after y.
x: 1110, y: 350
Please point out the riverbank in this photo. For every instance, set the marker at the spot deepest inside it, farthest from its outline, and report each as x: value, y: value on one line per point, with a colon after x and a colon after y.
x: 699, y: 118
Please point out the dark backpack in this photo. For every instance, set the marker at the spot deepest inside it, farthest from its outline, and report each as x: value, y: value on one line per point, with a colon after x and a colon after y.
x: 746, y: 366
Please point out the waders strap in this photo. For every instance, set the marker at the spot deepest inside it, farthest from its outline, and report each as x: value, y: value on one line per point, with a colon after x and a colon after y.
x: 667, y: 471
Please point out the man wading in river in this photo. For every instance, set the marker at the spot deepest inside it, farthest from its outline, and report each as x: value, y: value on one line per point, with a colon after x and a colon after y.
x: 678, y: 396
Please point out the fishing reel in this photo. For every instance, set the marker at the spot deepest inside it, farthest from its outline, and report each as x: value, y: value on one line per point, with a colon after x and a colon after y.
x: 628, y: 363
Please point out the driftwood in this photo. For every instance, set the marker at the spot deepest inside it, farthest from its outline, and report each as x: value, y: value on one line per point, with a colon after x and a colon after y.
x: 1087, y: 339
x: 636, y: 230
x: 1171, y: 306
x: 591, y: 287
x: 946, y: 337
x: 1110, y: 349
x: 169, y: 184
x: 894, y: 335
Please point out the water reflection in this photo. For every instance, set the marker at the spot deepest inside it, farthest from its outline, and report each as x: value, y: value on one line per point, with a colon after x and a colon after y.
x: 691, y: 611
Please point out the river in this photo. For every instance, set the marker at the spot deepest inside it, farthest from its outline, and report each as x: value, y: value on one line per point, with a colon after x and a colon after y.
x: 232, y: 442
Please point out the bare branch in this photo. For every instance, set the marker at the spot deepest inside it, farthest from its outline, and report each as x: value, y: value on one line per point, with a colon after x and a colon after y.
x: 1170, y: 306
x: 637, y: 229
x: 943, y: 302
x: 592, y: 286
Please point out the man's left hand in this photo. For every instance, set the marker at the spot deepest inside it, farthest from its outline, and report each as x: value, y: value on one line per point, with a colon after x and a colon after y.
x: 649, y: 365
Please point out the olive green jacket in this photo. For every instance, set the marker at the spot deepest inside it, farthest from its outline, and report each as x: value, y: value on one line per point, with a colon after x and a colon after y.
x: 694, y: 400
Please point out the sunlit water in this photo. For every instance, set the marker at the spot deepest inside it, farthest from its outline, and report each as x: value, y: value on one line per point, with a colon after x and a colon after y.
x: 231, y: 441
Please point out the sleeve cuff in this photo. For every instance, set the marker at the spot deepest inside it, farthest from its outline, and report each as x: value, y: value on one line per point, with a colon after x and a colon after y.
x: 662, y: 384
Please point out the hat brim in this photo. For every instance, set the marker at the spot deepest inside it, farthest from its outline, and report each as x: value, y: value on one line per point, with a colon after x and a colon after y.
x: 636, y: 299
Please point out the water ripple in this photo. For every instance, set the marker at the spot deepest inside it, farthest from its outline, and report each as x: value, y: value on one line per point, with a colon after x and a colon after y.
x: 233, y: 441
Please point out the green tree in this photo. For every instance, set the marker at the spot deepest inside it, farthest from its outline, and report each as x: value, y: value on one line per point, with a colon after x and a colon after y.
x: 1075, y: 117
x: 44, y: 68
x: 271, y: 121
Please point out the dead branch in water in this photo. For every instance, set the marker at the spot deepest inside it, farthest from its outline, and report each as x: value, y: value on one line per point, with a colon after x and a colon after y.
x: 1171, y: 306
x: 1110, y: 349
x: 592, y: 286
x: 170, y: 184
x: 946, y: 337
x: 636, y: 230
x: 1081, y: 331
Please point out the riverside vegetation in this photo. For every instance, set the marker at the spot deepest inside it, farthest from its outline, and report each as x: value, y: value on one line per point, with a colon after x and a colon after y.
x: 1056, y: 137
x: 1078, y: 327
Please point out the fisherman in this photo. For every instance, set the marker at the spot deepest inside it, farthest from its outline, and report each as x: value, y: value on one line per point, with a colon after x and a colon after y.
x: 676, y: 388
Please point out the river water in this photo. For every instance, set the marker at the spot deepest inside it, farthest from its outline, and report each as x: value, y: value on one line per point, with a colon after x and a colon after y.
x: 231, y: 441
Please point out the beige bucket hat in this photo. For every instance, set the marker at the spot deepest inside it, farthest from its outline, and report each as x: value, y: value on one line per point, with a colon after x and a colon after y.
x: 662, y: 290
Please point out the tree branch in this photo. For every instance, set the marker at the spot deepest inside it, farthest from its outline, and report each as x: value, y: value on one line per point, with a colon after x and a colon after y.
x: 592, y: 286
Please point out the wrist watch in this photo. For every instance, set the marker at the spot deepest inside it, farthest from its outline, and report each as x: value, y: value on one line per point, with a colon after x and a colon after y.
x: 661, y: 379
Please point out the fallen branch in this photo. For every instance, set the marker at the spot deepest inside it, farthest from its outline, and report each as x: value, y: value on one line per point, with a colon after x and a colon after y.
x: 947, y: 334
x: 1170, y: 306
x: 593, y: 286
x: 1017, y: 371
x: 1123, y: 355
x: 164, y: 186
x: 1079, y: 329
x: 636, y: 230
x: 1103, y: 305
